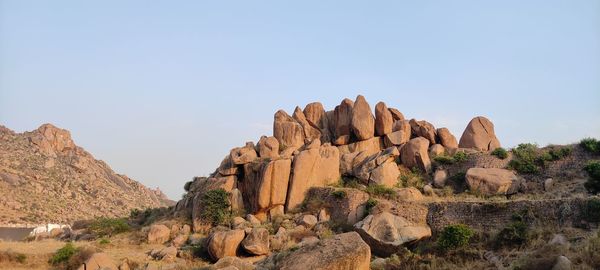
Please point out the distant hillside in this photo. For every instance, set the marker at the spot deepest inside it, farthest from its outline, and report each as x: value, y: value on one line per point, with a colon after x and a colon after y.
x: 45, y: 177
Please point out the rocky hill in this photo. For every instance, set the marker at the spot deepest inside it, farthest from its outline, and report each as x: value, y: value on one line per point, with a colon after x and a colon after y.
x: 45, y: 177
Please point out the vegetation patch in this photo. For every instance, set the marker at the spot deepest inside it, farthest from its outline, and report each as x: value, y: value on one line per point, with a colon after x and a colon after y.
x: 215, y: 206
x: 410, y: 178
x: 63, y: 254
x: 456, y: 158
x: 593, y: 170
x: 9, y: 256
x: 381, y: 191
x: 454, y: 236
x: 529, y: 159
x: 103, y: 227
x: 370, y: 204
x: 591, y: 145
x: 339, y: 194
x: 514, y: 234
x: 593, y: 210
x: 500, y: 153
x: 559, y: 152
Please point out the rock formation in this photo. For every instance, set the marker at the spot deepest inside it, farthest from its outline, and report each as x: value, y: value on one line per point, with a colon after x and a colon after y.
x: 46, y: 178
x: 315, y: 148
x: 479, y: 135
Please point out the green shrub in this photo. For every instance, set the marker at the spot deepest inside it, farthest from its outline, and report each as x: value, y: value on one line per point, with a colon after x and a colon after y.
x: 515, y: 233
x: 381, y: 190
x: 370, y: 204
x: 455, y: 236
x: 215, y: 206
x: 108, y: 226
x: 460, y: 157
x: 526, y: 159
x: 412, y: 178
x: 443, y: 159
x: 591, y: 145
x: 500, y: 153
x: 593, y: 210
x: 339, y: 194
x: 559, y: 152
x: 104, y: 241
x: 63, y: 254
x: 593, y: 183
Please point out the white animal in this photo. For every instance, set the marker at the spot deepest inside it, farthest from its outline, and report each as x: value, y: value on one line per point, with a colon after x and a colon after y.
x: 47, y: 228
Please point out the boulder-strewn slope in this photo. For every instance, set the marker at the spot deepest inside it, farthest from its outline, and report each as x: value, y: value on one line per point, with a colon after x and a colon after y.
x: 45, y: 177
x: 315, y: 148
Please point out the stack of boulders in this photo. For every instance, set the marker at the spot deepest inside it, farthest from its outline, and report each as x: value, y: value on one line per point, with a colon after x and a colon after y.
x: 315, y: 148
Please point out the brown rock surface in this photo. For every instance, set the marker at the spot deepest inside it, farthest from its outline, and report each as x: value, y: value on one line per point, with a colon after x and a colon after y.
x: 99, y: 261
x: 341, y: 121
x: 310, y: 132
x: 224, y: 243
x: 158, y: 234
x: 492, y: 181
x: 243, y: 155
x: 423, y: 129
x: 363, y: 122
x: 46, y: 163
x: 383, y: 119
x: 479, y: 134
x: 414, y: 154
x: 265, y: 184
x: 446, y: 138
x: 257, y: 242
x: 387, y: 233
x: 287, y: 130
x: 345, y: 251
x: 268, y: 147
x: 396, y: 114
x: 316, y: 116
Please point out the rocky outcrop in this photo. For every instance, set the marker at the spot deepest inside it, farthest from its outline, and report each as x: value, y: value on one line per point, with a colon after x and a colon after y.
x: 257, y: 242
x: 415, y: 154
x: 492, y: 181
x: 288, y: 132
x: 158, y: 234
x: 46, y: 163
x: 479, y: 135
x: 345, y: 251
x: 386, y: 233
x: 383, y: 119
x: 363, y: 122
x: 99, y: 261
x: 224, y: 243
x: 314, y: 148
x: 314, y: 167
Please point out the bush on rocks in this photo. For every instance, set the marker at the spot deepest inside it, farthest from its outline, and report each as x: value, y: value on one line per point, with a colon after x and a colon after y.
x: 102, y: 227
x: 500, y: 153
x: 591, y: 145
x: 215, y: 206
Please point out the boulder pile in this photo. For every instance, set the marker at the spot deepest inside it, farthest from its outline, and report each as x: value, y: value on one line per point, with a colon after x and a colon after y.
x: 315, y: 148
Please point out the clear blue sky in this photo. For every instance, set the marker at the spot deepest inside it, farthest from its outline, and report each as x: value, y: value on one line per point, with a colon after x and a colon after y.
x: 161, y: 90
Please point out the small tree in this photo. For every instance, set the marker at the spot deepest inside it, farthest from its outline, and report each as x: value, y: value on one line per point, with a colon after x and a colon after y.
x: 455, y: 236
x: 109, y: 226
x: 593, y: 170
x: 500, y: 153
x: 215, y: 206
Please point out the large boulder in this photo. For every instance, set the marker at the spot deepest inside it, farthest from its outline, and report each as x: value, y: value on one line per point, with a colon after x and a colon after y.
x: 378, y: 169
x: 492, y: 181
x: 341, y: 121
x: 414, y: 154
x: 288, y: 131
x: 224, y: 243
x: 396, y: 114
x: 386, y: 233
x: 423, y: 129
x: 370, y: 146
x: 158, y: 234
x: 363, y: 122
x: 243, y: 155
x: 316, y: 116
x: 315, y: 167
x: 265, y: 184
x: 446, y: 138
x: 345, y: 251
x: 479, y: 135
x: 227, y: 167
x: 311, y: 132
x: 383, y: 119
x: 257, y: 242
x: 99, y: 261
x: 268, y: 147
x: 231, y: 263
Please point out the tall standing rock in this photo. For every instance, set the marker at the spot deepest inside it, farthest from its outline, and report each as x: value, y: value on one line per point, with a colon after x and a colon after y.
x: 265, y: 184
x: 314, y: 167
x: 480, y: 135
x: 316, y: 116
x: 342, y: 119
x: 288, y: 132
x: 446, y: 138
x: 311, y: 132
x: 383, y: 119
x: 415, y: 154
x: 363, y: 122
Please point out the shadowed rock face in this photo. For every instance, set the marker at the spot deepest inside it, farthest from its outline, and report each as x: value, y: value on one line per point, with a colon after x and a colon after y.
x: 46, y: 163
x: 315, y: 148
